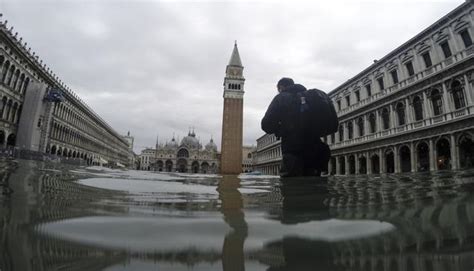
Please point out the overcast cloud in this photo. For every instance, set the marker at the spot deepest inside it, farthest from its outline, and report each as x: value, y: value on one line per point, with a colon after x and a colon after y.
x: 157, y: 67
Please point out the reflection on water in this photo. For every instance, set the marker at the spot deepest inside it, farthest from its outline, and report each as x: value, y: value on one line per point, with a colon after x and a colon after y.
x: 67, y: 219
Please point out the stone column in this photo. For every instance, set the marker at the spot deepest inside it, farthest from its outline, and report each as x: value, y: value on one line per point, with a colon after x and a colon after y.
x: 338, y: 166
x: 381, y: 161
x: 378, y: 121
x: 432, y: 155
x: 369, y: 163
x: 413, y: 158
x: 426, y: 106
x: 447, y: 105
x: 396, y: 159
x: 366, y: 125
x: 393, y: 116
x: 454, y: 155
x: 409, y: 111
x: 468, y: 91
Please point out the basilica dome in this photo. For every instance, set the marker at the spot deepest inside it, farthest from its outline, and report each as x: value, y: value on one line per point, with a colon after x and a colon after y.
x: 211, y: 146
x: 172, y: 144
x: 191, y: 141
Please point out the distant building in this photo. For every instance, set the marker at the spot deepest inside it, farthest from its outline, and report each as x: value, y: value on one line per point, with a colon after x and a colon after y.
x: 268, y: 155
x: 247, y: 158
x: 131, y: 155
x: 186, y: 156
x: 410, y: 111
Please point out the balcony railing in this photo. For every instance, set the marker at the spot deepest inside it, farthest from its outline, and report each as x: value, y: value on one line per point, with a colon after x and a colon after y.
x: 409, y: 81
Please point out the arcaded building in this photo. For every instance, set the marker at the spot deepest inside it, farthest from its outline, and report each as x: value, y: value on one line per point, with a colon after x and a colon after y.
x: 268, y: 154
x: 40, y: 114
x: 410, y: 111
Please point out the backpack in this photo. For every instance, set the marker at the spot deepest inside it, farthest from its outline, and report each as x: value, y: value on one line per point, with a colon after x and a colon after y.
x: 317, y: 111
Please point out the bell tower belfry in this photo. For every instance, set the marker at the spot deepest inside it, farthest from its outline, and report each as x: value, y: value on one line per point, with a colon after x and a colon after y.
x: 232, y: 120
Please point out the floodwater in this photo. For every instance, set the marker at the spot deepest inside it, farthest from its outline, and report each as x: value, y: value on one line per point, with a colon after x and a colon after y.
x: 54, y: 217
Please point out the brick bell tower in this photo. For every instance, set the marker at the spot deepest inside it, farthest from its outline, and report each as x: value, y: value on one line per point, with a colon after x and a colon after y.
x: 231, y: 156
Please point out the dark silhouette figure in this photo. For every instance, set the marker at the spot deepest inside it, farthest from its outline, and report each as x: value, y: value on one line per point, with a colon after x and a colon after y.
x: 303, y: 152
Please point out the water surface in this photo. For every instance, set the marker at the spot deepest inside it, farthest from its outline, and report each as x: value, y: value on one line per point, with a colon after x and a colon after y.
x: 54, y: 217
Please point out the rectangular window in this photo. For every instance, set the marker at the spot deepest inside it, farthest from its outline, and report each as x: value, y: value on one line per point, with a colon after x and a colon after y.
x: 466, y: 38
x: 446, y: 49
x: 427, y: 59
x: 369, y: 90
x: 394, y: 76
x: 348, y: 100
x: 381, y: 85
x: 357, y: 93
x: 339, y: 105
x: 410, y: 69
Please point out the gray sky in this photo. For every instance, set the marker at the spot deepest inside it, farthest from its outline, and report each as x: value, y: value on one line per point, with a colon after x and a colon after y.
x: 157, y: 67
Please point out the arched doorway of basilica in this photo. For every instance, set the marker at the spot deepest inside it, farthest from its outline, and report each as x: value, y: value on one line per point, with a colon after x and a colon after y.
x: 159, y: 165
x: 11, y: 139
x: 204, y: 167
x: 195, y: 167
x: 443, y: 154
x: 351, y: 164
x: 405, y: 159
x: 389, y: 162
x: 375, y: 160
x: 362, y: 165
x: 182, y: 165
x: 169, y: 165
x: 333, y: 165
x: 342, y: 165
x: 423, y: 154
x: 53, y: 149
x: 466, y: 151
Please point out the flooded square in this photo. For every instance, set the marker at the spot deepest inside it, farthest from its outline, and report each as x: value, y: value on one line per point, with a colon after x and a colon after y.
x: 57, y: 217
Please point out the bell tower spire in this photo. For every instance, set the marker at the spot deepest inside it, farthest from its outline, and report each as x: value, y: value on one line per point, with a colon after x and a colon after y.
x: 231, y: 144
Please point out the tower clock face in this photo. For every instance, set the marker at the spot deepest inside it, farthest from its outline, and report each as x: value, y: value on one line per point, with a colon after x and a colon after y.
x: 234, y: 72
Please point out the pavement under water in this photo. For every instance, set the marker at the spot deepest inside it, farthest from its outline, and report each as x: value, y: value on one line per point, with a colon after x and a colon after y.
x: 55, y: 217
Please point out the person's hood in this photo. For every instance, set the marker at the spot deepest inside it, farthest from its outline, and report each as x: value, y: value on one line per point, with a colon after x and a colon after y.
x: 296, y: 88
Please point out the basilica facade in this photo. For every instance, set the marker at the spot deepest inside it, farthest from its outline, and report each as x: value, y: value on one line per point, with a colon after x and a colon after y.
x: 186, y: 156
x: 410, y: 111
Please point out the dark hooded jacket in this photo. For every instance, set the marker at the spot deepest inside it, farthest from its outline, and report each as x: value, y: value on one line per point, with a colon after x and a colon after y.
x: 283, y: 119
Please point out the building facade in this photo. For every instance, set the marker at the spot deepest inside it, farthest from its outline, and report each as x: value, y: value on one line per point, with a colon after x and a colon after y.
x: 412, y: 110
x: 232, y: 120
x: 31, y: 119
x: 247, y: 158
x: 268, y: 155
x: 186, y: 156
x: 131, y: 154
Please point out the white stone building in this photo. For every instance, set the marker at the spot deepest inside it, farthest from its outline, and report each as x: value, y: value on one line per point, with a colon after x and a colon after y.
x: 247, y: 158
x: 34, y: 120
